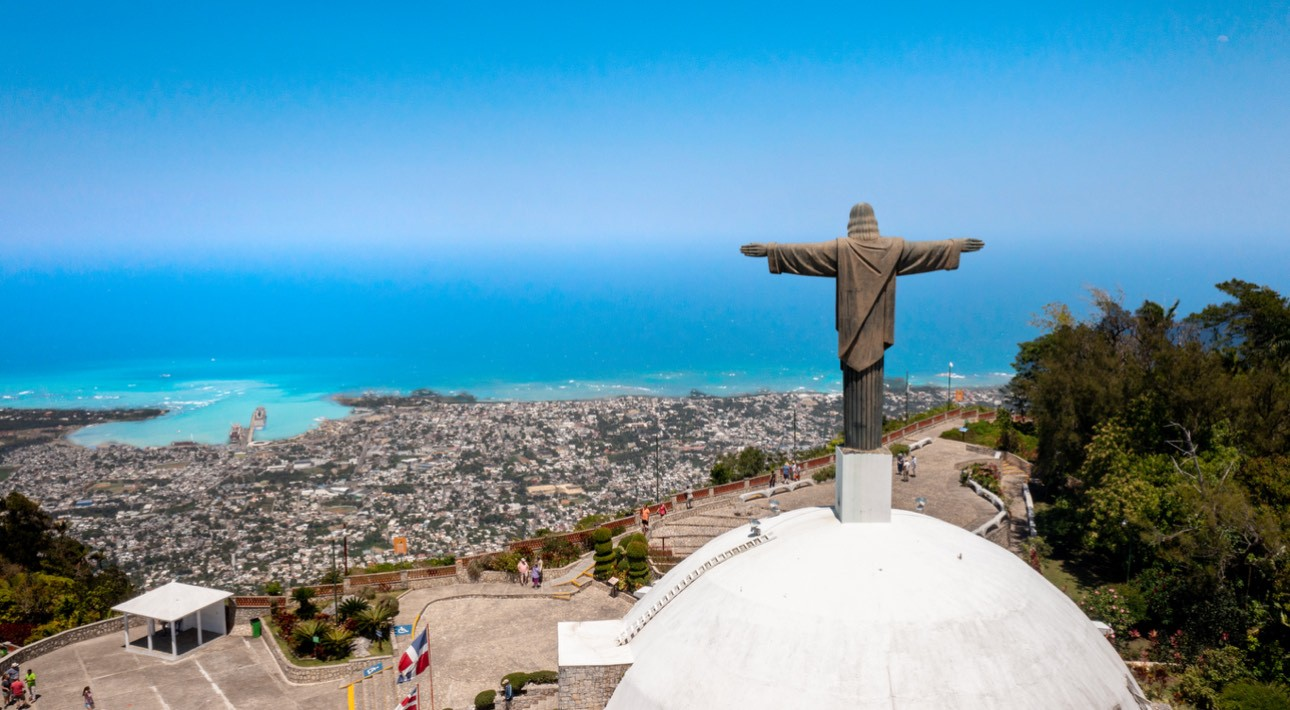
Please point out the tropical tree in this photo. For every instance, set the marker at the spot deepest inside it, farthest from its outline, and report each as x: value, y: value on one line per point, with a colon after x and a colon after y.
x: 374, y: 623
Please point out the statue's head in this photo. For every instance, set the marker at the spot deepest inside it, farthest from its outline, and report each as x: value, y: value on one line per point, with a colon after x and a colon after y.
x: 863, y: 224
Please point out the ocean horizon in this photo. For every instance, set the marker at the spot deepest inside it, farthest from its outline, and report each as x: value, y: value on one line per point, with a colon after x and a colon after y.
x: 212, y: 343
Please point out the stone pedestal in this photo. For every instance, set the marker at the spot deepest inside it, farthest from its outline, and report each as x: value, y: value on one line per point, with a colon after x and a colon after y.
x: 863, y: 486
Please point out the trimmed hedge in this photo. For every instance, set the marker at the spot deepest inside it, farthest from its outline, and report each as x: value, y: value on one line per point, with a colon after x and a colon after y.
x: 604, y: 557
x: 518, y: 680
x: 544, y: 678
x: 637, y: 564
x: 485, y: 699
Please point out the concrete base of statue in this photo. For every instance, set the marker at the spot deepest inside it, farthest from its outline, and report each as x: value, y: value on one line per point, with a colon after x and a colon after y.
x: 863, y: 486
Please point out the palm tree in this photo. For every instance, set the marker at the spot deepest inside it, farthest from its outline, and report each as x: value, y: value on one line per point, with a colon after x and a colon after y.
x: 303, y: 596
x: 336, y: 642
x: 374, y: 623
x: 350, y: 607
x: 307, y: 635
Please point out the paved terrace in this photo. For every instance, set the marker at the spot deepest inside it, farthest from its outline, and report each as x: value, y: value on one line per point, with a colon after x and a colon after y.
x: 479, y: 632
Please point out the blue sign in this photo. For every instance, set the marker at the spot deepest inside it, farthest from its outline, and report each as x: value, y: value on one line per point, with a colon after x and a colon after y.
x: 371, y: 669
x: 403, y: 630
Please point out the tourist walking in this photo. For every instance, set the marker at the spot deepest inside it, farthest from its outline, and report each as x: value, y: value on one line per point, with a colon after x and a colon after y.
x: 689, y: 497
x: 88, y: 697
x: 18, y: 690
x: 31, y: 684
x: 913, y: 465
x: 645, y: 518
x: 523, y: 569
x: 662, y: 510
x: 508, y: 693
x: 537, y: 574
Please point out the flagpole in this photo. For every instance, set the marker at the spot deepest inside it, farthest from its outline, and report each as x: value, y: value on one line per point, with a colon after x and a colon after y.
x: 430, y: 667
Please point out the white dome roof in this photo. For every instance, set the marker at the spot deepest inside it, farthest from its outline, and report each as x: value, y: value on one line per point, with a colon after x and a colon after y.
x: 915, y: 613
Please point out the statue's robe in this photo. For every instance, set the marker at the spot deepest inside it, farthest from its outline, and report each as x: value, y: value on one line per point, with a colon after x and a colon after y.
x: 866, y: 271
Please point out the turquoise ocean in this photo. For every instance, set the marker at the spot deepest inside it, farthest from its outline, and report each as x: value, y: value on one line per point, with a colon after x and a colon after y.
x: 211, y: 342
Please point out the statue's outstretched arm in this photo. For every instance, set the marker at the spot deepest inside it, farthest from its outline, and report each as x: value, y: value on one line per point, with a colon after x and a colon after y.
x: 972, y: 245
x: 754, y: 249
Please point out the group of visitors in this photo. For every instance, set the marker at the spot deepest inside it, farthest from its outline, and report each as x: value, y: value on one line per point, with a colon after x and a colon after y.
x: 906, y: 468
x: 530, y: 575
x: 18, y: 688
x: 784, y: 474
x: 661, y: 511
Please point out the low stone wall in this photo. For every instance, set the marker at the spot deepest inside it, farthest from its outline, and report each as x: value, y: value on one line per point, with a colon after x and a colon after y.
x: 39, y: 648
x: 428, y: 582
x: 316, y: 674
x: 998, y: 518
x: 589, y: 687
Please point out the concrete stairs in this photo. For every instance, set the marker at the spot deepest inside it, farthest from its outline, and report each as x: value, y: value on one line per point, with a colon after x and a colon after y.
x: 663, y: 561
x: 683, y: 536
x: 1017, y: 530
x: 534, y: 697
x: 565, y: 588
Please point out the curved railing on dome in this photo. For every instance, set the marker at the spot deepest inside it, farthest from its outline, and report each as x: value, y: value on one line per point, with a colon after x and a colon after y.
x: 634, y: 626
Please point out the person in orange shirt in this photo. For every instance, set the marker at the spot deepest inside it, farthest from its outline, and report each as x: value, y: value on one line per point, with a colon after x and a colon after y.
x: 645, y: 518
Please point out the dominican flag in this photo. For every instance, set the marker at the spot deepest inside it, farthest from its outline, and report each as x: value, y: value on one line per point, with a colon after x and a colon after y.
x: 415, y: 660
x: 409, y: 703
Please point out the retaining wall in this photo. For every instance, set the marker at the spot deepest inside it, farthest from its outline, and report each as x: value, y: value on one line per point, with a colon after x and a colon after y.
x: 315, y: 674
x: 96, y: 629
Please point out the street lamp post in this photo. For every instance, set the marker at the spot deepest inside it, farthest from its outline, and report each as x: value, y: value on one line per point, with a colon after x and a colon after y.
x: 335, y: 587
x: 949, y: 397
x: 794, y: 426
x: 658, y: 449
x: 906, y: 396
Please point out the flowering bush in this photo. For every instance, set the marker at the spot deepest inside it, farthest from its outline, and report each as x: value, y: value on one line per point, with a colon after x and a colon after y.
x: 1107, y: 605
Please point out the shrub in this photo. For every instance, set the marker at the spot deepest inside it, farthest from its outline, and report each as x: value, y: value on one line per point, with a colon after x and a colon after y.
x: 484, y: 701
x: 273, y: 589
x: 559, y: 551
x: 544, y: 678
x: 828, y: 473
x: 898, y: 449
x: 285, y: 621
x: 591, y: 521
x: 518, y: 680
x: 497, y: 562
x: 1107, y: 605
x: 475, y: 569
x: 1249, y: 695
x: 985, y: 476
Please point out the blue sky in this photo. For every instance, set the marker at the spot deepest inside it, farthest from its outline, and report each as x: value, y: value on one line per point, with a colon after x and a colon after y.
x: 162, y: 133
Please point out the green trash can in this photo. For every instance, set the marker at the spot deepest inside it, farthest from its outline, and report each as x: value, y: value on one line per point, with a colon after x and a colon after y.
x: 255, y: 628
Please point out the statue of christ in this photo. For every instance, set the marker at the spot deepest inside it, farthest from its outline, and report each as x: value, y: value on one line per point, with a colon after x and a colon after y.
x: 866, y: 266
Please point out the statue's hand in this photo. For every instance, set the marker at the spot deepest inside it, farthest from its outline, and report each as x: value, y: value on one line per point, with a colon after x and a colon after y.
x: 754, y: 250
x: 972, y: 245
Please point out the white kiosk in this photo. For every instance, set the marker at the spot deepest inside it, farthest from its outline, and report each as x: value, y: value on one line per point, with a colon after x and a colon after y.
x: 180, y: 617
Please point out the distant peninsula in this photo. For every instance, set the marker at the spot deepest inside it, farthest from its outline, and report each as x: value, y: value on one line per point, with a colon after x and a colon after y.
x: 415, y: 398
